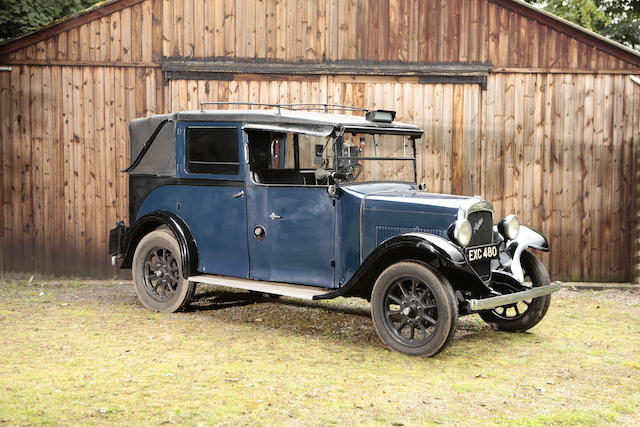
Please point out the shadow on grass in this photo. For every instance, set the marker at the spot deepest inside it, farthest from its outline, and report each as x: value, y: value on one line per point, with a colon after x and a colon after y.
x: 339, y: 321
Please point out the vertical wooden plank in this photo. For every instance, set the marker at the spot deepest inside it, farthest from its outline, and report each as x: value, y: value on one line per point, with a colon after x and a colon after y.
x: 489, y: 140
x: 608, y: 185
x: 617, y: 172
x: 509, y: 146
x: 135, y: 32
x: 494, y: 34
x: 568, y: 209
x: 68, y: 246
x: 57, y: 174
x: 116, y: 34
x: 98, y: 171
x: 73, y: 44
x: 105, y: 38
x: 14, y: 223
x: 178, y: 29
x: 271, y: 29
x: 5, y: 178
x: 92, y: 44
x: 125, y: 35
x: 88, y: 182
x: 200, y: 31
x: 148, y: 30
x: 78, y: 171
x: 110, y: 144
x: 517, y: 196
x: 84, y: 40
x: 37, y: 142
x: 230, y: 28
x: 578, y: 176
x: 189, y: 46
x: 457, y: 138
x: 499, y: 121
x: 443, y: 33
x: 628, y: 183
x: 168, y: 24
x: 587, y: 179
x: 26, y: 182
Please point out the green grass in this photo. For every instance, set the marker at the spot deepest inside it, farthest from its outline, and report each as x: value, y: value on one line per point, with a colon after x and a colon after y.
x: 89, y: 354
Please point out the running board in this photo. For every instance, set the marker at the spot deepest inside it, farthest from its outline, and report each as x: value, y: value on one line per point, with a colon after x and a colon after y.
x: 284, y: 289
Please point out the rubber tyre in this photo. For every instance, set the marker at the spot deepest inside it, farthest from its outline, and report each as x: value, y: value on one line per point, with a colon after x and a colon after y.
x: 537, y: 272
x: 163, y: 238
x: 446, y: 304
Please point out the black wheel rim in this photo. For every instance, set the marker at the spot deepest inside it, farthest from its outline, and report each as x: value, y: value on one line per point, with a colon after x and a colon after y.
x: 513, y: 311
x: 161, y: 273
x: 411, y: 311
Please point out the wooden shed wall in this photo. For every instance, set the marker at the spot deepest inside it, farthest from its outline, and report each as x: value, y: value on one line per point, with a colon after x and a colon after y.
x: 555, y: 149
x: 426, y: 31
x: 549, y: 139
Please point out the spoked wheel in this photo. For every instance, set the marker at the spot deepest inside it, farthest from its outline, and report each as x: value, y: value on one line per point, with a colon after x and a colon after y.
x: 157, y: 273
x: 414, y: 311
x: 161, y: 273
x: 523, y: 315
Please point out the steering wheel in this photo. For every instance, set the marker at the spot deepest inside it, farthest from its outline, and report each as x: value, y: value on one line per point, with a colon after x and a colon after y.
x: 354, y: 171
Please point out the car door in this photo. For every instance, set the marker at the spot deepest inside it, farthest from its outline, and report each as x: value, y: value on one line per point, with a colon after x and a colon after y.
x: 292, y: 234
x: 210, y: 195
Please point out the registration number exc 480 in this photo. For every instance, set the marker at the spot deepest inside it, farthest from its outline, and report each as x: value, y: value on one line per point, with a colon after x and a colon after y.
x: 481, y: 253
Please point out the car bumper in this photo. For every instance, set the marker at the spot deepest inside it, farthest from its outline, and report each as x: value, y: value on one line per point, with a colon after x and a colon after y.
x: 493, y: 302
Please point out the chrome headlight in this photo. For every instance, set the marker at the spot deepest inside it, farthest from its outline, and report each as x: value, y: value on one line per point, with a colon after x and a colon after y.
x: 509, y: 227
x: 460, y: 232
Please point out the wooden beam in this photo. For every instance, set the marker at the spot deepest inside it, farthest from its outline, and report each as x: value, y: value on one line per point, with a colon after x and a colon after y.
x: 67, y: 63
x: 328, y: 68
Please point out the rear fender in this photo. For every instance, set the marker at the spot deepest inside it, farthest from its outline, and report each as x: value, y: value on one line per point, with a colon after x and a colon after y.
x: 511, y: 254
x: 148, y: 223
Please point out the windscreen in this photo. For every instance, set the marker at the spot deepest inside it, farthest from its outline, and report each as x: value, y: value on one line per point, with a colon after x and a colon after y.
x: 377, y: 157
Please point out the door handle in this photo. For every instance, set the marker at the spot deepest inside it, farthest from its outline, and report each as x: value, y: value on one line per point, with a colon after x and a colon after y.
x: 238, y: 195
x: 273, y: 215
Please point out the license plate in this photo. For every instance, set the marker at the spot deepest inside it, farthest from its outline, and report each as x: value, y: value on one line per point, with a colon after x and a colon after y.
x: 482, y: 253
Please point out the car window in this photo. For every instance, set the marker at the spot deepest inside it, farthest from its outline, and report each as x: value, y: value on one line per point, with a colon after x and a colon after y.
x: 212, y: 150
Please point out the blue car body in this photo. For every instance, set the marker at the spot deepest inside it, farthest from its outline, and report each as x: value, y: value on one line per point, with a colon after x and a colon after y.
x: 311, y: 236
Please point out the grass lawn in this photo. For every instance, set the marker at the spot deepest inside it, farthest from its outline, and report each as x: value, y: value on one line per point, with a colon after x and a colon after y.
x: 89, y: 354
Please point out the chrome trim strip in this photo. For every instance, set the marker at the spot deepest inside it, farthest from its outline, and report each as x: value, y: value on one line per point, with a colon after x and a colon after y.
x: 493, y: 302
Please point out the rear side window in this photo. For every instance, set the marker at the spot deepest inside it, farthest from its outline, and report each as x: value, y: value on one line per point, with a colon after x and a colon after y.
x: 212, y: 150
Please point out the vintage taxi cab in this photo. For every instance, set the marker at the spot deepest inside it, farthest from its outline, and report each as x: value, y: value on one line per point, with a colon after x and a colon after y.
x: 317, y: 205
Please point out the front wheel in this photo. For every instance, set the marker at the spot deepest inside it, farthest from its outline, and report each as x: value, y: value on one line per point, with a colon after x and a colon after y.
x: 413, y: 310
x: 157, y: 273
x: 522, y: 315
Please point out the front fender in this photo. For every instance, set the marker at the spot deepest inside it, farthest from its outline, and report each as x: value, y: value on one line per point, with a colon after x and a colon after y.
x: 151, y: 221
x: 512, y: 251
x: 425, y: 247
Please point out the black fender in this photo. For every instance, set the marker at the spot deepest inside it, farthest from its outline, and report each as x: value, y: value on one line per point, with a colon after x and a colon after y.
x: 426, y: 247
x: 151, y: 221
x: 512, y: 252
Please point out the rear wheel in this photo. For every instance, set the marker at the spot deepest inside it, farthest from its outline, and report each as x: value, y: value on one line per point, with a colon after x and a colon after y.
x: 522, y: 315
x: 157, y: 273
x: 414, y: 311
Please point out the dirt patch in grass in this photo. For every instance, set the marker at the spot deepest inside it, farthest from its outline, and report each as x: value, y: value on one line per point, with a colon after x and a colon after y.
x: 89, y: 354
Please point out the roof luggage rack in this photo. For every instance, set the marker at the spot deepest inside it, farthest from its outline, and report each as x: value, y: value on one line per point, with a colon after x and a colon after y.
x: 294, y: 107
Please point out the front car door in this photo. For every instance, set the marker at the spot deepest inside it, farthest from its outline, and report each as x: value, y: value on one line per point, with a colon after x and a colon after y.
x: 291, y: 219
